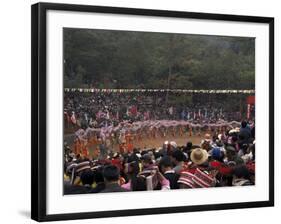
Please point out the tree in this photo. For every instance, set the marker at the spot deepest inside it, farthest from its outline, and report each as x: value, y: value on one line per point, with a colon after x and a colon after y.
x: 125, y: 59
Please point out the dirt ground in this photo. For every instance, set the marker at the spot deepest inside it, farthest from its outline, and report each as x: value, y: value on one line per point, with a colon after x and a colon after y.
x: 153, y: 142
x: 158, y: 142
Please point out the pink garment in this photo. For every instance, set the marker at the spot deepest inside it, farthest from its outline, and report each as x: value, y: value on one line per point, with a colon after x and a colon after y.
x: 127, y: 186
x: 165, y: 185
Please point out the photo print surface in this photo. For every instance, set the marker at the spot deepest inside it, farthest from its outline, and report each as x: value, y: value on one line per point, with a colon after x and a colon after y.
x: 147, y: 111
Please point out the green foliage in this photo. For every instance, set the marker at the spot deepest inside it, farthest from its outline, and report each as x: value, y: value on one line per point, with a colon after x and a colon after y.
x: 122, y: 59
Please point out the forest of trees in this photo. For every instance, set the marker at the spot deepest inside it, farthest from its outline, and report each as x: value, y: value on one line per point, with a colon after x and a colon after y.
x: 126, y: 59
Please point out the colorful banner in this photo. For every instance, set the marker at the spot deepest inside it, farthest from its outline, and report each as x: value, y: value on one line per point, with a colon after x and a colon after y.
x: 189, y: 91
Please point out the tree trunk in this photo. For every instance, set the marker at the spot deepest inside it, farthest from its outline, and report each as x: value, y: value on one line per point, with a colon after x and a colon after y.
x: 168, y: 82
x: 170, y: 66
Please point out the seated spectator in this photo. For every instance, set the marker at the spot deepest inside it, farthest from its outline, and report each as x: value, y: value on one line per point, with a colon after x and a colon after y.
x: 241, y: 176
x: 98, y: 177
x: 216, y: 154
x: 86, y: 178
x: 178, y: 159
x: 232, y: 156
x: 187, y: 149
x: 74, y: 189
x: 199, y: 156
x: 131, y: 170
x: 147, y: 161
x: 153, y: 179
x: 249, y: 154
x: 111, y: 178
x: 207, y: 142
x: 166, y: 168
x: 198, y: 179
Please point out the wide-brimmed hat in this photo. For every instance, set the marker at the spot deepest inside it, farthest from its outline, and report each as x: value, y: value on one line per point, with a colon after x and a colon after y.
x: 199, y: 156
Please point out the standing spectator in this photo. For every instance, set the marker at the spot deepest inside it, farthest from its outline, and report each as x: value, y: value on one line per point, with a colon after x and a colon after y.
x: 245, y: 133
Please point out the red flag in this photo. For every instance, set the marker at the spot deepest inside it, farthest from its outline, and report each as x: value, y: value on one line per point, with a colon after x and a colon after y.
x: 133, y: 110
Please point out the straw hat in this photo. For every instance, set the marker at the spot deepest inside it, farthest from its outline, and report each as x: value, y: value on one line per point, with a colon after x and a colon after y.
x: 199, y: 156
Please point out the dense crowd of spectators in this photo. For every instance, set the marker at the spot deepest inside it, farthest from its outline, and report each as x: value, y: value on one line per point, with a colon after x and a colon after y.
x: 223, y: 159
x: 94, y: 109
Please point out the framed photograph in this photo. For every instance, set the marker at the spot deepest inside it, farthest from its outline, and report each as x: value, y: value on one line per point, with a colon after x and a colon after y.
x: 140, y: 111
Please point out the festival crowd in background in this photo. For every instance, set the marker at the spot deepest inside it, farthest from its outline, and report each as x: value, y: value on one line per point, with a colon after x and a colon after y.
x: 100, y: 109
x: 225, y: 156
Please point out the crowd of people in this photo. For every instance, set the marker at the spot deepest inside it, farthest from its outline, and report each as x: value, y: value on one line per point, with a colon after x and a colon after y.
x: 223, y: 158
x: 113, y: 120
x: 106, y: 108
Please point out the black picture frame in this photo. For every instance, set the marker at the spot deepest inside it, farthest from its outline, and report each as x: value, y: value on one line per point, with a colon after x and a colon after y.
x: 38, y: 108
